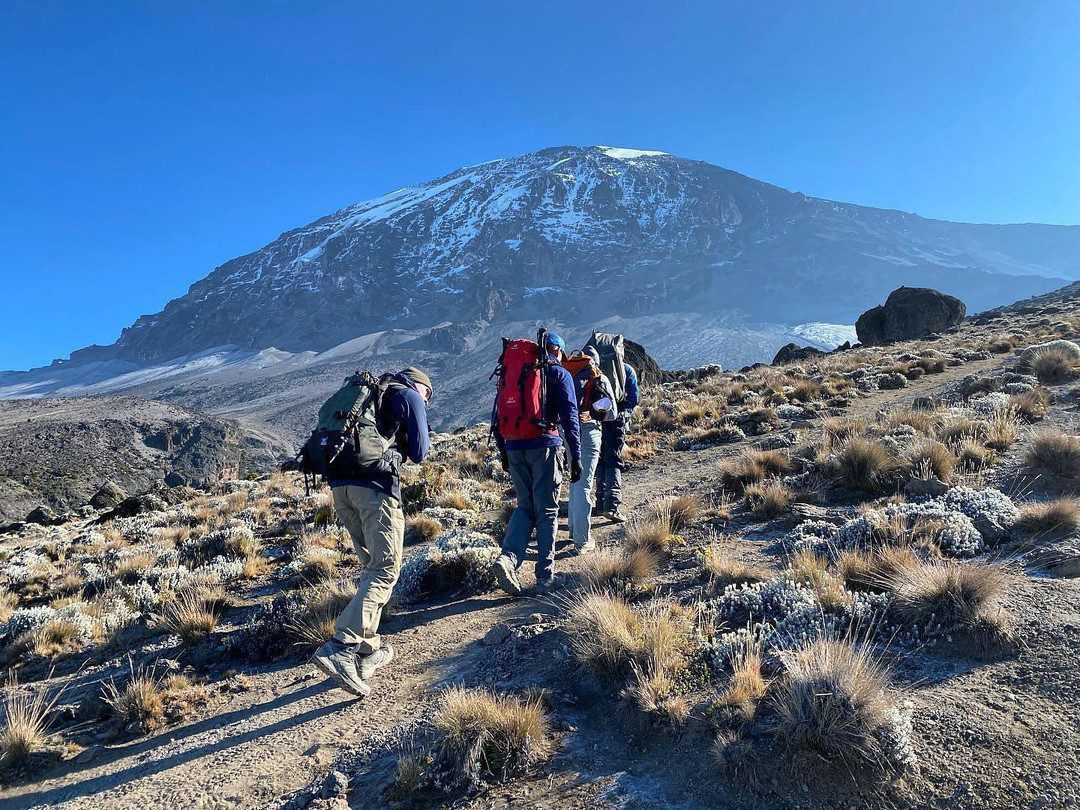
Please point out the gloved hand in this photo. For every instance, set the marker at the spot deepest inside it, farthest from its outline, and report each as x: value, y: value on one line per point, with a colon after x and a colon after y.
x: 575, y: 471
x: 504, y: 460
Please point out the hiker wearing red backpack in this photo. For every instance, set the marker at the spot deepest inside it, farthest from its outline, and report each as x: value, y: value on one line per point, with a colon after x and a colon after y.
x: 535, y: 398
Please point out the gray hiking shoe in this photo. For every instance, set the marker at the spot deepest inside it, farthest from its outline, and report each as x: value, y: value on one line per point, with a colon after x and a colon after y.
x: 506, y: 575
x: 338, y: 661
x: 617, y: 515
x: 585, y: 548
x: 546, y: 585
x: 375, y: 661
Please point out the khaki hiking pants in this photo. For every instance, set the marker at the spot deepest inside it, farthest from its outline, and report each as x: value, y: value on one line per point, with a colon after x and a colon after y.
x: 377, y: 527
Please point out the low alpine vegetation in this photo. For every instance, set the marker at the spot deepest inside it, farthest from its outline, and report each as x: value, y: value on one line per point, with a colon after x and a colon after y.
x: 26, y: 722
x: 951, y: 594
x: 1055, y: 453
x: 1056, y: 517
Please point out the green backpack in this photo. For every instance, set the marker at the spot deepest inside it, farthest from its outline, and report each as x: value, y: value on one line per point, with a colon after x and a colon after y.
x: 610, y: 349
x: 346, y: 442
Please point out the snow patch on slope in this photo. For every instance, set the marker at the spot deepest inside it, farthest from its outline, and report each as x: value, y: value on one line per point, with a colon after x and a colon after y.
x: 629, y: 154
x: 826, y: 335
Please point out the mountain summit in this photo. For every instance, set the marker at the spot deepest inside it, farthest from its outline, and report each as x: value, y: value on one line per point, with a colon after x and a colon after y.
x: 583, y: 233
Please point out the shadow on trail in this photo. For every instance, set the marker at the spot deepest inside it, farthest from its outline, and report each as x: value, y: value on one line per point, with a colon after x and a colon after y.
x: 139, y: 770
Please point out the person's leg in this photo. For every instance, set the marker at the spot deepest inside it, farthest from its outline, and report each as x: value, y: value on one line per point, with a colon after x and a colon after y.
x: 384, y: 534
x: 547, y: 466
x: 350, y: 519
x: 614, y: 481
x: 602, y: 464
x: 523, y: 519
x: 581, y: 493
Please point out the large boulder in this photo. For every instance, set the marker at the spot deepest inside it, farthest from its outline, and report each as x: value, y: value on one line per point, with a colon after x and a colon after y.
x: 108, y: 495
x: 908, y: 313
x: 793, y: 353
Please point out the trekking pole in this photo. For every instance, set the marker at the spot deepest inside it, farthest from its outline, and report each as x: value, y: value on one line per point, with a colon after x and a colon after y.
x: 541, y: 341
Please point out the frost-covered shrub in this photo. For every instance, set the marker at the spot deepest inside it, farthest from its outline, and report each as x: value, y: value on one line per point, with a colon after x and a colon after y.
x: 1017, y: 388
x: 459, y: 561
x: 787, y: 411
x: 992, y: 403
x: 268, y: 634
x: 25, y: 620
x: 813, y: 535
x: 992, y: 512
x: 891, y: 381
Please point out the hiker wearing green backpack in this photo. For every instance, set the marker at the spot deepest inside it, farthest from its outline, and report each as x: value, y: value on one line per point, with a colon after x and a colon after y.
x: 365, y: 432
x: 625, y: 385
x: 596, y: 404
x: 535, y: 398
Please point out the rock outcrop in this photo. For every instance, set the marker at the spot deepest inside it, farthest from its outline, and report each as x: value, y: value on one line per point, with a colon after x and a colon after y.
x: 793, y: 353
x: 908, y: 313
x: 648, y: 370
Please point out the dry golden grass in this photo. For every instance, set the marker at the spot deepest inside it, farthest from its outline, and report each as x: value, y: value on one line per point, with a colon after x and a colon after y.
x: 973, y: 455
x: 747, y: 685
x: 456, y: 499
x: 957, y: 428
x: 129, y: 569
x: 873, y: 569
x: 680, y: 510
x: 26, y: 722
x: 753, y: 466
x: 655, y: 693
x: 191, y: 614
x: 832, y: 702
x: 651, y: 530
x: 808, y: 568
x: 484, y: 735
x: 422, y: 529
x: 314, y: 623
x: 768, y: 499
x: 1003, y: 429
x: 836, y: 430
x: 1056, y: 453
x: 139, y: 700
x: 924, y: 422
x: 720, y: 569
x: 951, y: 593
x: 1030, y: 406
x: 255, y: 567
x: 1053, y: 366
x: 862, y: 462
x: 8, y: 602
x: 55, y: 637
x: 615, y: 568
x: 1057, y: 517
x: 931, y: 459
x: 470, y: 461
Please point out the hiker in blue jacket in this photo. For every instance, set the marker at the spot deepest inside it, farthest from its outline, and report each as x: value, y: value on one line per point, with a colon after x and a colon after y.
x: 536, y: 470
x: 609, y: 470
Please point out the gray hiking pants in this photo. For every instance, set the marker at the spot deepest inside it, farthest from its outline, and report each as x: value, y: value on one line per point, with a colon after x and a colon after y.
x: 537, y: 475
x: 581, y: 493
x: 609, y: 471
x: 377, y: 527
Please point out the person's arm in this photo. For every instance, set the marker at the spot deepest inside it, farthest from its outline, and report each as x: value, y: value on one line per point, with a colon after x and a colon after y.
x: 561, y: 390
x: 632, y: 395
x: 409, y: 407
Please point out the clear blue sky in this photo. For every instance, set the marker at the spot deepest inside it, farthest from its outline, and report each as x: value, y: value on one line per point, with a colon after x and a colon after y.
x: 142, y: 144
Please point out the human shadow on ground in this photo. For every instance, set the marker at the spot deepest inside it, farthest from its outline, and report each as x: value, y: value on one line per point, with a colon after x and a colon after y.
x: 140, y: 770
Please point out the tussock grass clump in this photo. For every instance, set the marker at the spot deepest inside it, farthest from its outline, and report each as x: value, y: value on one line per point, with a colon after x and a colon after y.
x: 768, y: 499
x: 682, y: 510
x: 314, y: 623
x: 1003, y: 429
x: 747, y: 685
x: 1057, y: 517
x: 470, y: 461
x: 485, y: 736
x: 812, y: 569
x: 26, y: 722
x: 872, y: 569
x: 753, y: 466
x: 931, y: 458
x: 1056, y: 453
x: 833, y: 703
x: 836, y: 430
x: 960, y: 427
x: 652, y: 531
x: 862, y: 462
x: 1030, y: 406
x: 949, y: 593
x: 973, y: 455
x: 619, y: 568
x: 720, y: 569
x: 422, y: 529
x: 8, y: 602
x: 139, y: 700
x: 456, y: 499
x: 1053, y: 366
x: 51, y: 639
x: 192, y: 614
x: 655, y: 693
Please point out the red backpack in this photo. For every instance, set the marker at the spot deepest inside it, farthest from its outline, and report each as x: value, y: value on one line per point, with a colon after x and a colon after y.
x: 522, y: 399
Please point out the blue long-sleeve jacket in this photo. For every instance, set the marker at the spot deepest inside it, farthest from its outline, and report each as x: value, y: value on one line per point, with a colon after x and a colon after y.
x: 403, y: 420
x: 561, y: 405
x: 632, y: 396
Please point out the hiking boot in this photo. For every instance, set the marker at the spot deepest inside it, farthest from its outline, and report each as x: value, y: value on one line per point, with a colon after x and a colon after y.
x: 617, y: 515
x: 338, y: 661
x: 506, y: 575
x: 546, y: 585
x: 585, y: 548
x: 597, y: 511
x: 375, y: 661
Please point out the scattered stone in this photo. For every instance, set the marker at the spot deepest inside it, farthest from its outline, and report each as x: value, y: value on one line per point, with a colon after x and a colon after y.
x: 43, y: 516
x: 135, y: 505
x: 792, y: 353
x: 930, y: 487
x: 497, y: 635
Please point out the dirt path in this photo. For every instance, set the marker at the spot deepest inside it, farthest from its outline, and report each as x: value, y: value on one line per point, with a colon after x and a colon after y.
x: 275, y: 738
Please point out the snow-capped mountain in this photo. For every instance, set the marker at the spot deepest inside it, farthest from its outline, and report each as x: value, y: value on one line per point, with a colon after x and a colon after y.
x: 583, y: 233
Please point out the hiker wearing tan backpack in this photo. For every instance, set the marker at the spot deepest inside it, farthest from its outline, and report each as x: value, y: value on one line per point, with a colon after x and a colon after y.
x: 535, y: 398
x: 596, y: 404
x: 625, y: 386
